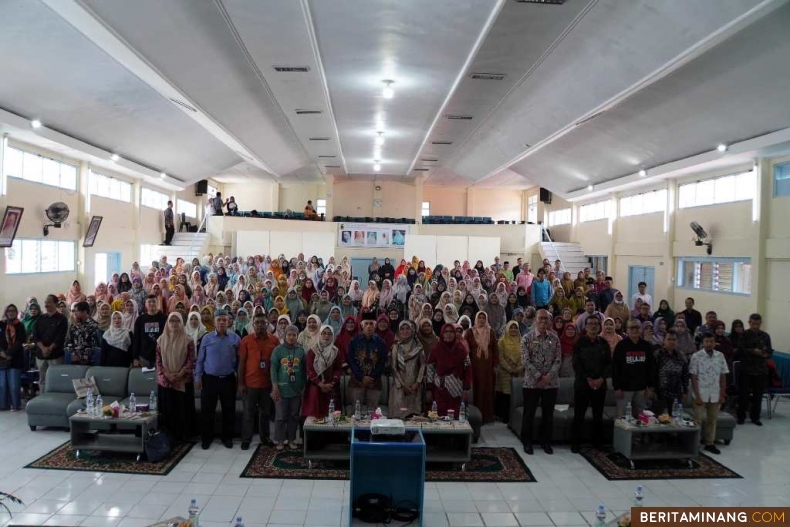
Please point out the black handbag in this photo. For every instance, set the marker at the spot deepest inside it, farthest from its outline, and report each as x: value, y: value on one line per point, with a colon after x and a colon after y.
x: 158, y: 445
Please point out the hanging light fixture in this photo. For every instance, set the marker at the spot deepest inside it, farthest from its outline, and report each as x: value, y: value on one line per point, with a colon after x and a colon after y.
x: 380, y: 138
x: 376, y: 166
x: 388, y: 92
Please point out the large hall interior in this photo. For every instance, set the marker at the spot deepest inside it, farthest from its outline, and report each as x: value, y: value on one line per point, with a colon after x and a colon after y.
x: 502, y: 263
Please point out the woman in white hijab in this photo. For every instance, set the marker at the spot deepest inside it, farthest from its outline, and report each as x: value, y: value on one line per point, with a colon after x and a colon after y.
x: 308, y: 338
x: 407, y: 361
x: 129, y: 315
x: 324, y: 370
x: 195, y: 328
x: 116, y: 344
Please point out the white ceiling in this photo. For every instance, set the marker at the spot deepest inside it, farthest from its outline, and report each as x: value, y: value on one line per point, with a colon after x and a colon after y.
x: 672, y: 79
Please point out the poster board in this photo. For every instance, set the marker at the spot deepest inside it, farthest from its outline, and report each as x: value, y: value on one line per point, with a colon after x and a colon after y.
x: 361, y: 235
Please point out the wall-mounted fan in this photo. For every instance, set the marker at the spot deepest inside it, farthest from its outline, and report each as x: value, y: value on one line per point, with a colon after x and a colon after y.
x: 57, y: 213
x: 702, y: 237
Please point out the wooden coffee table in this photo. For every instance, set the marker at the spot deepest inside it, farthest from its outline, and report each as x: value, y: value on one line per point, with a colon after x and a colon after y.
x: 101, y: 433
x: 685, y: 443
x: 445, y: 441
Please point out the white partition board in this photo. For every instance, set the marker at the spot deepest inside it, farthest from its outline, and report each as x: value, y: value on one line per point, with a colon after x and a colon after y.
x: 287, y: 243
x: 483, y: 248
x: 421, y: 245
x: 250, y: 243
x: 451, y: 248
x: 321, y: 244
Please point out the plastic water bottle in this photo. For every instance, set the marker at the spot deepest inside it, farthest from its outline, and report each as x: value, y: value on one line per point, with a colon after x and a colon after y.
x: 152, y: 401
x: 462, y: 413
x: 357, y: 410
x: 193, y: 511
x: 239, y: 523
x: 679, y: 418
x: 132, y: 403
x: 639, y: 496
x: 435, y: 408
x: 600, y: 516
x: 628, y: 411
x: 675, y: 410
x: 90, y: 403
x: 331, y: 417
x: 99, y: 405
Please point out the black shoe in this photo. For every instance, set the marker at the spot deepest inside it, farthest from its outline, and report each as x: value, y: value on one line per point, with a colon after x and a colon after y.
x: 245, y: 445
x: 267, y: 443
x: 528, y: 449
x: 741, y: 421
x: 757, y: 422
x: 205, y: 445
x: 547, y: 449
x: 228, y: 443
x: 575, y: 449
x: 712, y: 449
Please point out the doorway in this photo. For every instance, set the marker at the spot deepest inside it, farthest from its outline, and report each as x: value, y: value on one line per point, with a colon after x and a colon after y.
x: 359, y: 270
x: 105, y: 264
x: 640, y: 273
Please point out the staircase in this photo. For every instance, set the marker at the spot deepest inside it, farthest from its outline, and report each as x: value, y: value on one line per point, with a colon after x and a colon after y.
x: 571, y: 255
x: 186, y: 245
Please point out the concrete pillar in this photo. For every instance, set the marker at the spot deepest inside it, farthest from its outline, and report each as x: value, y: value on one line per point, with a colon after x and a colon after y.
x: 763, y: 193
x: 83, y: 219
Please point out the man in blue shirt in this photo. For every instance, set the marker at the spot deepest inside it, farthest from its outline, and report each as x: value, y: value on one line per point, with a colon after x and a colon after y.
x: 215, y: 376
x: 542, y: 292
x: 367, y: 357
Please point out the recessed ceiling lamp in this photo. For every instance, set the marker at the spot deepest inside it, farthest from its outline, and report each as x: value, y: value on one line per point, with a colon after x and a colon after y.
x: 162, y: 175
x: 114, y: 158
x: 589, y: 188
x: 380, y: 138
x: 388, y: 92
x: 722, y: 147
x: 376, y: 166
x: 642, y: 173
x: 35, y: 123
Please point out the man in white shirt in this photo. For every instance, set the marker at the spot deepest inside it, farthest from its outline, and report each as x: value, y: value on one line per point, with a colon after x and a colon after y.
x: 646, y: 298
x: 708, y: 371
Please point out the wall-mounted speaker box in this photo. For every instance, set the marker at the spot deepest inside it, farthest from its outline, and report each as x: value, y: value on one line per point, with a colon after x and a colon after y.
x: 201, y: 187
x: 545, y: 195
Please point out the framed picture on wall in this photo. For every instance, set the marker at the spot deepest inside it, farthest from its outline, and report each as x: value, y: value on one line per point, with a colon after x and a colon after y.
x: 93, y: 230
x: 11, y: 220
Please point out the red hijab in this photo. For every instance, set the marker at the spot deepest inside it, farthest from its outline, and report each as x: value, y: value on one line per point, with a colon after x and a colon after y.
x: 387, y: 335
x: 568, y: 339
x: 449, y: 357
x: 344, y: 337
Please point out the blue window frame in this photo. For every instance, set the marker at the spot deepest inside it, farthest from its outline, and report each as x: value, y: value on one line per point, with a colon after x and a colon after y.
x: 782, y: 180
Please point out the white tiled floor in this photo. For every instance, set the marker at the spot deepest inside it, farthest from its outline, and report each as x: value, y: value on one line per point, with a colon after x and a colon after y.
x: 567, y: 492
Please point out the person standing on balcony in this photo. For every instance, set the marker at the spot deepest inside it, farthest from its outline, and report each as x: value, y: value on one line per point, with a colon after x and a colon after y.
x: 170, y: 226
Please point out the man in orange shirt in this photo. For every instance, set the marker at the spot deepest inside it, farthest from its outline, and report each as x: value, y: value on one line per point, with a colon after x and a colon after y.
x: 255, y: 382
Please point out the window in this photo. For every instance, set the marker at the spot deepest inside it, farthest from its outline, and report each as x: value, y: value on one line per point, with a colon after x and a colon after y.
x: 153, y: 199
x: 148, y: 253
x: 559, y: 217
x: 109, y: 187
x: 320, y: 206
x: 426, y: 208
x: 39, y: 256
x: 532, y: 209
x: 782, y: 180
x: 39, y: 169
x: 735, y: 187
x: 186, y: 207
x: 595, y: 211
x: 212, y: 191
x: 655, y: 201
x: 721, y: 275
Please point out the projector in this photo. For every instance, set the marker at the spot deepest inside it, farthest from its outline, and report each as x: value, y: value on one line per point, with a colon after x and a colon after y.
x: 389, y: 427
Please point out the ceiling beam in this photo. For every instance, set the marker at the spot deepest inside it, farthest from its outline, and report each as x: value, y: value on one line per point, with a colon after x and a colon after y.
x: 84, y: 20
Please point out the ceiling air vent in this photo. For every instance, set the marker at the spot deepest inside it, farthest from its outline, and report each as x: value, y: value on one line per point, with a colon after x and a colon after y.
x: 291, y: 69
x: 184, y: 105
x: 441, y: 142
x: 429, y: 159
x: 453, y: 117
x: 320, y: 138
x: 326, y: 157
x: 331, y: 166
x: 307, y: 112
x: 555, y: 2
x: 488, y: 76
x: 420, y: 170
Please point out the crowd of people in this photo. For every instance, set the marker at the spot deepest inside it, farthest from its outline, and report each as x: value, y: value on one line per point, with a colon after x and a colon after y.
x: 284, y: 332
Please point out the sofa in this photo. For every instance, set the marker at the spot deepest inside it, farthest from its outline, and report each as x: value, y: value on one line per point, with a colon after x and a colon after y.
x: 563, y: 420
x: 59, y: 401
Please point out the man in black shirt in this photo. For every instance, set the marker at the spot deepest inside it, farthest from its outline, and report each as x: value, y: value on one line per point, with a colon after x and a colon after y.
x: 693, y: 317
x: 633, y: 370
x: 49, y: 336
x: 754, y: 349
x: 592, y: 365
x: 170, y: 225
x: 147, y: 329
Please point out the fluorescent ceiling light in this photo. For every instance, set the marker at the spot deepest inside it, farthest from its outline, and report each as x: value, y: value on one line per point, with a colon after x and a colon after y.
x: 722, y: 147
x: 162, y: 175
x: 35, y: 123
x: 376, y: 167
x: 380, y: 139
x: 388, y: 92
x: 642, y: 173
x: 114, y: 158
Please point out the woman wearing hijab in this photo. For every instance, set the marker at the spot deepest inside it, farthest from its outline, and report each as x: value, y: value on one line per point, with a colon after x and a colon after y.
x: 510, y: 366
x: 370, y: 299
x: 407, y: 362
x: 685, y: 345
x: 334, y: 320
x: 495, y: 311
x: 437, y: 320
x: 618, y: 308
x: 309, y: 337
x: 282, y: 323
x: 102, y: 318
x: 207, y: 318
x: 510, y: 306
x: 347, y: 308
x: 241, y: 324
x: 394, y: 318
x: 102, y: 293
x: 116, y: 344
x: 450, y: 314
x: 735, y: 336
x: 324, y: 370
x: 383, y: 330
x: 322, y: 307
x: 356, y: 294
x: 32, y: 313
x: 124, y: 283
x: 349, y: 331
x: 175, y: 362
x: 195, y: 329
x: 387, y: 271
x: 659, y: 331
x: 448, y: 373
x: 567, y: 342
x: 482, y: 342
x: 74, y: 293
x: 723, y: 344
x: 609, y: 334
x: 12, y: 341
x: 387, y: 295
x: 138, y: 293
x: 179, y: 295
x: 373, y: 268
x: 664, y: 312
x: 426, y: 336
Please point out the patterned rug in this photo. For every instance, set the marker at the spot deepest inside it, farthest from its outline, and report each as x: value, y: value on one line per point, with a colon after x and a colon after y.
x: 62, y: 458
x: 615, y: 467
x: 486, y: 465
